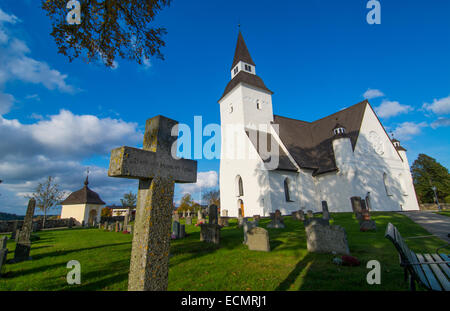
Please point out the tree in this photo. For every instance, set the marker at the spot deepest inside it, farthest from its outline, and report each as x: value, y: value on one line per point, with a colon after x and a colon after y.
x: 107, y: 29
x: 212, y: 197
x: 129, y: 201
x: 47, y: 195
x: 427, y: 172
x: 106, y: 212
x: 186, y: 202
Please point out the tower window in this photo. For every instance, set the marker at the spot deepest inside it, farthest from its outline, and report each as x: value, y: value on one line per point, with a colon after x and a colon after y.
x: 248, y: 68
x: 236, y: 70
x: 258, y: 105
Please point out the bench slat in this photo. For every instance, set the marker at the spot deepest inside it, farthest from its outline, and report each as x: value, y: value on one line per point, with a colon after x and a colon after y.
x: 444, y: 266
x: 445, y: 257
x: 418, y: 270
x: 438, y: 273
x: 430, y: 276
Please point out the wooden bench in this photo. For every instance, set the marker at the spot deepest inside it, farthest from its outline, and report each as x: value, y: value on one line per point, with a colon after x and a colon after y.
x: 431, y: 270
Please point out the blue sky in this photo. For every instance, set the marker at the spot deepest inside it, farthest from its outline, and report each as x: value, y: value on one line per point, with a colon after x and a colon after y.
x: 57, y: 118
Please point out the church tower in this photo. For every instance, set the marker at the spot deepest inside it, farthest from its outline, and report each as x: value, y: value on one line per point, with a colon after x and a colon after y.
x: 245, y: 103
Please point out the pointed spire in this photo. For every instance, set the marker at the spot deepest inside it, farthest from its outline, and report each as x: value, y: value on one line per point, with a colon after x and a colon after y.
x: 242, y: 53
x: 86, y: 182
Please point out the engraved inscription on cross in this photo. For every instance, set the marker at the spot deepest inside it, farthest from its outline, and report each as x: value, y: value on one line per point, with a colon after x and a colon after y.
x: 157, y: 171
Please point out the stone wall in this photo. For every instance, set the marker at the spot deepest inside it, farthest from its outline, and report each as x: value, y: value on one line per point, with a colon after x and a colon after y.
x: 7, y: 225
x: 433, y: 206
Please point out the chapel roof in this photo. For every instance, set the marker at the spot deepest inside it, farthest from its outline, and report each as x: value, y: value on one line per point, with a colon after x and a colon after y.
x: 83, y: 196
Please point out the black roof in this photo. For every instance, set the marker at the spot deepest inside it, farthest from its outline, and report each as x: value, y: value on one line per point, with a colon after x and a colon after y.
x: 241, y: 53
x: 83, y: 196
x: 246, y: 78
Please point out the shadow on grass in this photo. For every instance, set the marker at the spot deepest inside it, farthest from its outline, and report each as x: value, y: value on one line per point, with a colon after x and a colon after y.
x: 300, y: 269
x: 63, y: 253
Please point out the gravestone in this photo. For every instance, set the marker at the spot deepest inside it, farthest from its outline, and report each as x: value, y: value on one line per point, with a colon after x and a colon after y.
x: 14, y: 230
x: 130, y: 229
x: 83, y: 224
x: 276, y: 220
x: 125, y: 220
x: 213, y: 216
x: 3, y: 256
x: 223, y: 221
x: 157, y: 171
x: 70, y: 225
x: 366, y: 224
x: 117, y: 226
x: 99, y: 225
x: 35, y: 226
x: 188, y: 220
x: 120, y: 227
x: 295, y: 215
x: 211, y: 232
x: 184, y: 214
x: 23, y: 245
x: 182, y: 231
x: 325, y: 212
x: 301, y: 215
x: 256, y: 219
x: 258, y: 239
x: 176, y: 216
x: 356, y: 207
x: 323, y: 238
x: 176, y: 229
x: 310, y: 214
x: 110, y: 227
x: 247, y: 225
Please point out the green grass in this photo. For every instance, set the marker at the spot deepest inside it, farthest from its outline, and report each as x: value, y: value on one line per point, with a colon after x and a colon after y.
x: 194, y: 265
x: 444, y: 213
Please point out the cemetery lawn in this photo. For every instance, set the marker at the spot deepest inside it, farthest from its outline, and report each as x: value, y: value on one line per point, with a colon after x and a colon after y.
x: 444, y: 213
x: 194, y: 265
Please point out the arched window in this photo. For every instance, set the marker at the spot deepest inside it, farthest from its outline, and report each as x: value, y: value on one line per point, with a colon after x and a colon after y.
x: 387, y: 184
x: 239, y: 186
x: 287, y: 193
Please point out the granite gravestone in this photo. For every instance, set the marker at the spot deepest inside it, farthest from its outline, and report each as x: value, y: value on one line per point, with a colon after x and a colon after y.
x: 188, y: 221
x: 301, y: 215
x: 323, y: 238
x: 310, y: 214
x: 23, y: 245
x: 247, y: 225
x: 157, y: 171
x: 3, y: 253
x: 276, y: 220
x: 14, y: 230
x: 357, y: 207
x: 366, y: 224
x: 211, y: 232
x: 258, y: 239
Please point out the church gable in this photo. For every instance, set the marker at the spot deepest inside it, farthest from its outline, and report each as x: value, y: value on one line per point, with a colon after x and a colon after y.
x: 374, y: 140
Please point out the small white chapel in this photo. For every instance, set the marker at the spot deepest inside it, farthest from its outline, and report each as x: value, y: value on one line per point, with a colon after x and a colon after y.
x: 295, y: 165
x: 83, y: 205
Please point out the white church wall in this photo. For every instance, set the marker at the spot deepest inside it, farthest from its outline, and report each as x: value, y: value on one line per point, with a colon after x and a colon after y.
x: 278, y: 197
x: 89, y: 208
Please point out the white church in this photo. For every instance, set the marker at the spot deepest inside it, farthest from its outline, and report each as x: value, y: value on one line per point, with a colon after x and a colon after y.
x: 269, y: 162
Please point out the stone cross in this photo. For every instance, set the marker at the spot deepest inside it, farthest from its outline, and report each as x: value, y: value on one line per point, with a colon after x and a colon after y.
x: 23, y: 245
x: 157, y: 171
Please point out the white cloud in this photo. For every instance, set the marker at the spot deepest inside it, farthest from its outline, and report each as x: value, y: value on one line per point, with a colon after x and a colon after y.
x: 56, y: 147
x: 406, y: 130
x: 439, y: 106
x: 373, y: 93
x: 16, y: 64
x: 389, y: 109
x: 6, y: 102
x: 147, y: 63
x: 441, y: 122
x: 8, y: 18
x: 205, y: 181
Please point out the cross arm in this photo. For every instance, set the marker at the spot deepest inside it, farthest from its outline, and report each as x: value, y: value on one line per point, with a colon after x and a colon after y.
x: 133, y: 163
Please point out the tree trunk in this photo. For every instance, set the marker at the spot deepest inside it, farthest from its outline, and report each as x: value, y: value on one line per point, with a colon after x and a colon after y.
x: 45, y: 216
